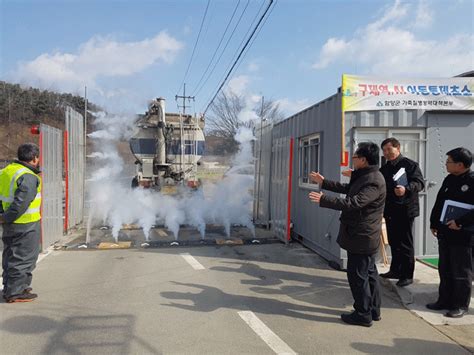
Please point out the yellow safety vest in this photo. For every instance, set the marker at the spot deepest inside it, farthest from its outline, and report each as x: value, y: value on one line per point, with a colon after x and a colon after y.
x: 8, y: 185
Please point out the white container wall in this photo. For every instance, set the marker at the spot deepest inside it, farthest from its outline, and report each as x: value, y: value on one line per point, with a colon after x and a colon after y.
x: 263, y: 159
x: 279, y: 187
x: 75, y: 167
x: 51, y: 140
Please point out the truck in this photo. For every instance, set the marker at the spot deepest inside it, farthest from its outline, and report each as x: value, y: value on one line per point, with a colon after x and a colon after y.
x: 167, y: 148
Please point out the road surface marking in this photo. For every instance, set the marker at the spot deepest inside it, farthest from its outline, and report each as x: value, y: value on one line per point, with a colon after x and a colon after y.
x: 44, y: 254
x: 265, y: 333
x: 196, y: 265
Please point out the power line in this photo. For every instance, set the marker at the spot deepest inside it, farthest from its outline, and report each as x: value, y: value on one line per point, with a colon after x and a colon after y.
x: 240, y: 54
x: 245, y: 36
x: 195, y: 45
x: 256, y: 35
x: 243, y: 40
x: 223, y: 51
x: 240, y: 47
x: 218, y: 46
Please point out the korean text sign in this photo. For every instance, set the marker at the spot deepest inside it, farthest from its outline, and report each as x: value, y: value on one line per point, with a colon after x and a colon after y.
x: 370, y: 93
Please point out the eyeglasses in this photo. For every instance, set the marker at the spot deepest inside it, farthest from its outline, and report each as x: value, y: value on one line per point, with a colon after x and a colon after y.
x: 450, y: 162
x: 355, y: 157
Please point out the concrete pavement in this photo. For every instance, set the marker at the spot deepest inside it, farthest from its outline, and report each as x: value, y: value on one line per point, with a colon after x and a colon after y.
x: 245, y: 299
x: 425, y: 290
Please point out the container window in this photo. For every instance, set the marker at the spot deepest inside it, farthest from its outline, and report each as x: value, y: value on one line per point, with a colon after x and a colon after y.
x: 308, y: 159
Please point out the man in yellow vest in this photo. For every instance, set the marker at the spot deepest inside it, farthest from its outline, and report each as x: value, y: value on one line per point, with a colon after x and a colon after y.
x: 20, y: 195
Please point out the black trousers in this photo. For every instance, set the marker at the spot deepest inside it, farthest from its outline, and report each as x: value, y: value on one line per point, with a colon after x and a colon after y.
x: 400, y: 238
x: 455, y: 274
x: 364, y: 283
x: 21, y: 246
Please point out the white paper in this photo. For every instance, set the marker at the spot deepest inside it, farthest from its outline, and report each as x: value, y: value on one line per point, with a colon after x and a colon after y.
x: 398, y: 174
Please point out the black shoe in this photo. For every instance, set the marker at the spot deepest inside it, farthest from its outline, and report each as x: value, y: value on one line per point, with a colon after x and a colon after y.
x: 436, y: 306
x: 456, y: 313
x: 24, y: 297
x: 376, y: 317
x: 390, y: 275
x: 355, y: 319
x: 28, y: 290
x: 404, y: 282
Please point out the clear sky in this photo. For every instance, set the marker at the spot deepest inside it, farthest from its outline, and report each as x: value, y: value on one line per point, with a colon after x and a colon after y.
x: 128, y: 52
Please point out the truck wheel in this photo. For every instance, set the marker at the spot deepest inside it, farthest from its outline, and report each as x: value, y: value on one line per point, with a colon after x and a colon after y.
x: 134, y: 183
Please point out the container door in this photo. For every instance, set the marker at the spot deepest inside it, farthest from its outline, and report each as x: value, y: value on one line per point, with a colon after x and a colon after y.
x: 51, y: 147
x: 446, y: 131
x: 279, y: 187
x: 412, y: 145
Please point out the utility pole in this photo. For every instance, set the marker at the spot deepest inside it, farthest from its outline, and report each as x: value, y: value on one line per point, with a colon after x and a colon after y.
x: 9, y: 117
x: 85, y: 155
x: 181, y: 128
x: 184, y: 97
x: 259, y: 158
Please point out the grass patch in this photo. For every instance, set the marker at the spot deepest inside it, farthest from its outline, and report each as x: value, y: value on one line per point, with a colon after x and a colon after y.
x: 432, y: 261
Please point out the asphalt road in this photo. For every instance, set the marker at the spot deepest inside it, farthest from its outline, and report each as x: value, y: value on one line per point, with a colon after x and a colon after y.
x: 261, y: 299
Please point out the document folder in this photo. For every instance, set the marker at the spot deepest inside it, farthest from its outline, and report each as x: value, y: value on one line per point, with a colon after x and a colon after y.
x: 453, y: 210
x: 400, y: 178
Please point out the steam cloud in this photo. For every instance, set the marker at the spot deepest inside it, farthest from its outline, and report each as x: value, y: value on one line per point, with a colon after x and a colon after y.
x: 227, y: 202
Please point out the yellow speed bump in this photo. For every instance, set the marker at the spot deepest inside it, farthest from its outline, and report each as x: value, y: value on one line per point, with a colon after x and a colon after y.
x: 131, y: 226
x: 231, y: 241
x: 119, y: 245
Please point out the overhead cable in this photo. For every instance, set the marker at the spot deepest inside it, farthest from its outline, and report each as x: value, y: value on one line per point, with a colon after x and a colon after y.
x: 195, y: 45
x: 218, y: 46
x: 240, y: 45
x: 223, y: 50
x: 256, y: 36
x: 240, y: 54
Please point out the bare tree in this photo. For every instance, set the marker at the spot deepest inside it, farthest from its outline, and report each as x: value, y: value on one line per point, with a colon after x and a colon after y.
x: 224, y: 119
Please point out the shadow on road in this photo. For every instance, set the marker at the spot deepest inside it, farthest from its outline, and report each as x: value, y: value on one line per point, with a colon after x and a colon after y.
x: 210, y: 299
x: 410, y: 346
x: 111, y: 334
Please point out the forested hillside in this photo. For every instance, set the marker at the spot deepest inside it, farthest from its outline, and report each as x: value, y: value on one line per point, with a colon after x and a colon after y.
x: 21, y: 107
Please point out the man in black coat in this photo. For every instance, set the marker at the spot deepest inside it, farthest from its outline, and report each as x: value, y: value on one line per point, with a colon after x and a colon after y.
x: 401, y: 208
x: 455, y: 236
x: 359, y: 232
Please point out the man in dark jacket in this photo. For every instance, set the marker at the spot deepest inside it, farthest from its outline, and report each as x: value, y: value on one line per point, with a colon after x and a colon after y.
x: 455, y: 236
x: 401, y: 208
x: 359, y: 232
x: 20, y: 195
